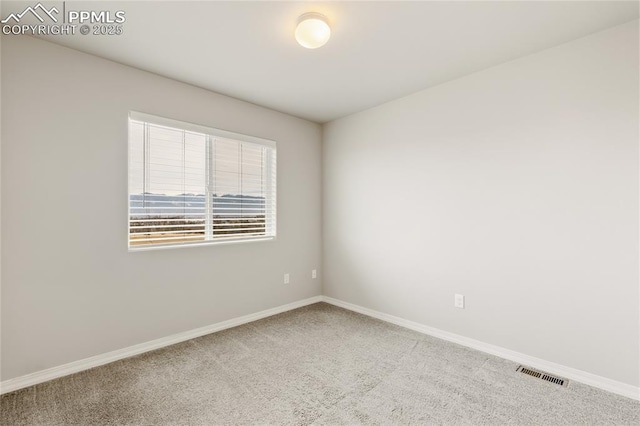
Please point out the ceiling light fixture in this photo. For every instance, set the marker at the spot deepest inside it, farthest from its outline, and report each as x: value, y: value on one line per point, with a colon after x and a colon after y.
x: 313, y: 30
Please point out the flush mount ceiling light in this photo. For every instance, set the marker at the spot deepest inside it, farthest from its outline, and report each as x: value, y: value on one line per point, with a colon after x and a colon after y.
x: 313, y: 30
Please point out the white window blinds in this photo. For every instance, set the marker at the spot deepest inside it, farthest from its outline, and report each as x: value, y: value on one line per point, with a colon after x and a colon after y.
x: 191, y: 184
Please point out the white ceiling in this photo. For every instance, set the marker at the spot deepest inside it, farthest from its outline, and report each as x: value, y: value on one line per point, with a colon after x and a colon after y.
x: 378, y: 50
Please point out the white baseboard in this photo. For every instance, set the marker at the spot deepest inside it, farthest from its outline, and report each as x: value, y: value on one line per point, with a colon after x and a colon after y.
x: 98, y: 360
x: 590, y: 379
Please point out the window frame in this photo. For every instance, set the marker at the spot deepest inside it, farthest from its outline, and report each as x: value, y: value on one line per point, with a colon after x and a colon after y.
x: 272, y: 184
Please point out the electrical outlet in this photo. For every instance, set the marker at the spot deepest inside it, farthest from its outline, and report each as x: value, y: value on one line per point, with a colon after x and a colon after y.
x: 314, y: 274
x: 286, y: 278
x: 458, y: 301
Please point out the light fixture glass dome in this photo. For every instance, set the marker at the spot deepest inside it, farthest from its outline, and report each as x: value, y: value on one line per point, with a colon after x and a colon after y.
x: 313, y: 30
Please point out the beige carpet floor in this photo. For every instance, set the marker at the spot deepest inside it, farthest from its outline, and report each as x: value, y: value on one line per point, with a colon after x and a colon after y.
x: 315, y: 365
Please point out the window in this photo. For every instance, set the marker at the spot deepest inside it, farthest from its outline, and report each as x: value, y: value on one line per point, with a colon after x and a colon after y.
x: 190, y: 184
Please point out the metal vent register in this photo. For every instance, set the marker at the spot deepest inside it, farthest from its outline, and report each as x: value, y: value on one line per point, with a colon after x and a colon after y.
x: 543, y: 376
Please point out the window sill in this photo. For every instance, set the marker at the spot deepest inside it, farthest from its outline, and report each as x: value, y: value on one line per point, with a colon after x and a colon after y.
x: 204, y: 244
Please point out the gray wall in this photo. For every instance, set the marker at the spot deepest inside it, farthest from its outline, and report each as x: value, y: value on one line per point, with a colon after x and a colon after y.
x: 516, y: 186
x: 70, y: 289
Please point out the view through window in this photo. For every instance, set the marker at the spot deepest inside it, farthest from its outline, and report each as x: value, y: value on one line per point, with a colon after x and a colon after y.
x: 190, y: 184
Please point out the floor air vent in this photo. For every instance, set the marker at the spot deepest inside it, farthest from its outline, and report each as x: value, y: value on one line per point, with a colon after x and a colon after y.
x: 543, y: 376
